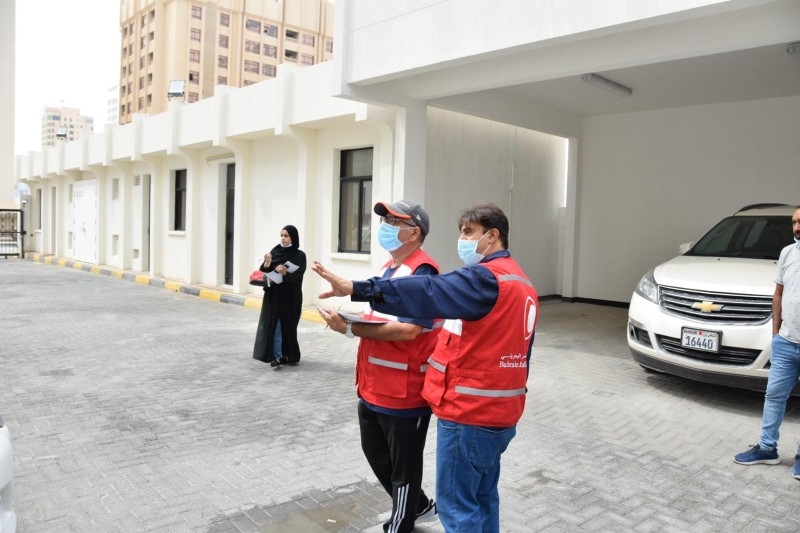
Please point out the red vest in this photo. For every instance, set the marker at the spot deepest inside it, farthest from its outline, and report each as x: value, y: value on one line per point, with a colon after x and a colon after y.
x: 390, y: 374
x: 478, y: 372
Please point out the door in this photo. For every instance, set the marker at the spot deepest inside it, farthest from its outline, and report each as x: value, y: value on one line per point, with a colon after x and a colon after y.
x: 85, y: 221
x: 230, y: 195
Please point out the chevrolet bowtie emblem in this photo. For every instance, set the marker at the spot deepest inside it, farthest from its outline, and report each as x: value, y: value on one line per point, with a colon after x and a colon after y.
x: 707, y: 307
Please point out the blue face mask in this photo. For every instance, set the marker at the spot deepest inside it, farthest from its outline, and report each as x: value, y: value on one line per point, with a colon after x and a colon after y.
x: 387, y: 237
x: 468, y: 251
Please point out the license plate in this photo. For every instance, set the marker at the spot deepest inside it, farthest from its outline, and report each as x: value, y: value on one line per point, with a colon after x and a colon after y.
x: 700, y: 339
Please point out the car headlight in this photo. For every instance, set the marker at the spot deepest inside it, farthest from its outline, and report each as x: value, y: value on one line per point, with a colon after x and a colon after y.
x: 648, y: 288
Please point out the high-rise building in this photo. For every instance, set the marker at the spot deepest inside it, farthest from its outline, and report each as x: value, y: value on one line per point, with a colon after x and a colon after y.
x: 210, y: 43
x: 64, y: 123
x: 112, y: 105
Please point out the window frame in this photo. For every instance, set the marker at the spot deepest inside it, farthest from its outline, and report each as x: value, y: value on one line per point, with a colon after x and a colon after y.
x: 179, y: 192
x: 364, y: 214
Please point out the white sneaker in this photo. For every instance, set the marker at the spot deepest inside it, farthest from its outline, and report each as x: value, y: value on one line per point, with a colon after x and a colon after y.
x: 429, y: 514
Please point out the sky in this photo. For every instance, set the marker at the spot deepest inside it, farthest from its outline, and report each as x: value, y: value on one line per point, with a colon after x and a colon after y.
x: 67, y: 55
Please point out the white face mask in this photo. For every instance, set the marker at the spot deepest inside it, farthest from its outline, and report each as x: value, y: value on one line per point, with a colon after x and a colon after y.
x: 468, y: 250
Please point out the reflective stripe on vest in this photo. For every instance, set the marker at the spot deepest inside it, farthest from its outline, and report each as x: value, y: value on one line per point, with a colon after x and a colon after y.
x: 488, y: 392
x: 434, y: 364
x: 514, y: 277
x: 384, y: 362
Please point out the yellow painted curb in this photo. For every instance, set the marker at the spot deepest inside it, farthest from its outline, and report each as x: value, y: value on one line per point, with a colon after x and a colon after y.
x: 210, y: 295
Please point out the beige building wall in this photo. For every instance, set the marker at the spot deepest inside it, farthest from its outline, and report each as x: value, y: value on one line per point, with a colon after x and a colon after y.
x: 205, y: 44
x: 7, y: 36
x: 70, y: 119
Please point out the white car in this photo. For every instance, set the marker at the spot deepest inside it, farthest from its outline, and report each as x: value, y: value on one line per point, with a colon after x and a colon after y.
x: 8, y: 518
x: 707, y: 314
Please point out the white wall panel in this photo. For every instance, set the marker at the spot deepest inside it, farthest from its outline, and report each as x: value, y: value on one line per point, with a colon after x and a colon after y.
x: 651, y: 181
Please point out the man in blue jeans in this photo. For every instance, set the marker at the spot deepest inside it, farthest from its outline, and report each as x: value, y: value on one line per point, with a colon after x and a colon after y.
x: 476, y: 379
x: 785, y: 359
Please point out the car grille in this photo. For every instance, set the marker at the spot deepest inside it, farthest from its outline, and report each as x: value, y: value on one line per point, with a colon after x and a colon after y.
x: 716, y: 307
x: 727, y: 355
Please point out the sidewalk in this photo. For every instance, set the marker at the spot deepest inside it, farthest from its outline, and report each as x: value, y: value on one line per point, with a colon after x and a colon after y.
x: 136, y: 409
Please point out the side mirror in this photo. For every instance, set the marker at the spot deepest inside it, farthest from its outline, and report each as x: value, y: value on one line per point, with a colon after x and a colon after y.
x: 683, y: 248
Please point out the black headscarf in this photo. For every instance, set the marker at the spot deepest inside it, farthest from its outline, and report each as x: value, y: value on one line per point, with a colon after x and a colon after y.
x: 281, y: 254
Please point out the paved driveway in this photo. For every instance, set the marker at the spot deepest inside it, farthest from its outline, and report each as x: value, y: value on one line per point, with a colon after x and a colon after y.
x: 137, y: 408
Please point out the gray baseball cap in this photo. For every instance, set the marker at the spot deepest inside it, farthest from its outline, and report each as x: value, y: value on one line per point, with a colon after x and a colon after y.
x: 408, y: 210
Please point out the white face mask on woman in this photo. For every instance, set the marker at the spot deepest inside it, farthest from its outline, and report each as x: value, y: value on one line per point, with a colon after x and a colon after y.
x: 468, y: 250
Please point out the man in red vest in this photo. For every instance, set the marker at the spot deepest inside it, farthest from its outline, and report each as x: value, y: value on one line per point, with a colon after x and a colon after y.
x: 390, y: 371
x: 476, y: 381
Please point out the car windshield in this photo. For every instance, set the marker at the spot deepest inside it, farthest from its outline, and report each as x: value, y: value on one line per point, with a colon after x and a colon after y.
x: 757, y: 237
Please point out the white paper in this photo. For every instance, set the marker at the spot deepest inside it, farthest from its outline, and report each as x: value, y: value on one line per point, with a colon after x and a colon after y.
x: 274, y: 277
x: 290, y: 267
x: 359, y: 319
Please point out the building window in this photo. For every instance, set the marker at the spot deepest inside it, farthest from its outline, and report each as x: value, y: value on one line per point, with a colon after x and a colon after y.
x: 270, y: 51
x: 290, y: 55
x: 197, y: 12
x: 308, y: 40
x: 194, y: 34
x: 149, y: 99
x: 268, y: 70
x: 271, y: 30
x: 193, y: 97
x: 141, y: 62
x: 248, y: 82
x: 151, y: 36
x: 150, y: 58
x: 306, y: 59
x: 179, y: 203
x: 194, y: 76
x: 222, y: 80
x: 223, y: 41
x: 252, y: 47
x: 141, y: 82
x: 143, y: 42
x: 355, y: 200
x: 252, y: 25
x: 141, y: 103
x: 144, y: 20
x: 251, y: 66
x: 222, y: 61
x: 150, y: 79
x: 329, y: 46
x: 194, y: 56
x: 292, y: 35
x: 224, y: 19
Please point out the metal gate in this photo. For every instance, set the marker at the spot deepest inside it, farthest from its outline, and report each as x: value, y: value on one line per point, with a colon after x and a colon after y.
x: 11, y: 233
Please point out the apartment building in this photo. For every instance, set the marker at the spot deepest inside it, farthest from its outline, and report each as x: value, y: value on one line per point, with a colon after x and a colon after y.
x: 209, y: 43
x: 64, y: 123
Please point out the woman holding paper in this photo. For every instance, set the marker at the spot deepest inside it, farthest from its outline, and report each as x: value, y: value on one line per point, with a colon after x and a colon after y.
x: 284, y: 265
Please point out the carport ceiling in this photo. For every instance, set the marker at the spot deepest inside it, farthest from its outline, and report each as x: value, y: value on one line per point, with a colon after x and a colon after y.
x: 751, y: 74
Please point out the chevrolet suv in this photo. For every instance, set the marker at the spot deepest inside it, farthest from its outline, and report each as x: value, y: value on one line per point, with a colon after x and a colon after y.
x: 706, y: 315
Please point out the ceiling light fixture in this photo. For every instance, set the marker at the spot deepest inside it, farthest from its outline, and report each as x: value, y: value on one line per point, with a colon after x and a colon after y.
x: 793, y: 49
x: 604, y: 83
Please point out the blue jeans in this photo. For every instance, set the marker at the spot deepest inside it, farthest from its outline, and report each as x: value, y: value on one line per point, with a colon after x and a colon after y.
x: 783, y: 373
x: 467, y: 472
x: 276, y: 345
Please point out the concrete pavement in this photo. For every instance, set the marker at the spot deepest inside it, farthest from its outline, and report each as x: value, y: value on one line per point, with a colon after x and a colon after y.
x: 135, y: 408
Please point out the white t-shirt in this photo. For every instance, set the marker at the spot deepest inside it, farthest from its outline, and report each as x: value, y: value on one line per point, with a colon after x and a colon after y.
x: 789, y: 277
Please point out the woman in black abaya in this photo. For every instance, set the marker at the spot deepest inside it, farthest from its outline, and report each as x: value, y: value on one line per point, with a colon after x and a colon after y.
x: 283, y: 302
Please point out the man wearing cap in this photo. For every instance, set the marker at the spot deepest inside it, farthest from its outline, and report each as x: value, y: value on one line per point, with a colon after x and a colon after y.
x: 476, y: 381
x: 390, y: 371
